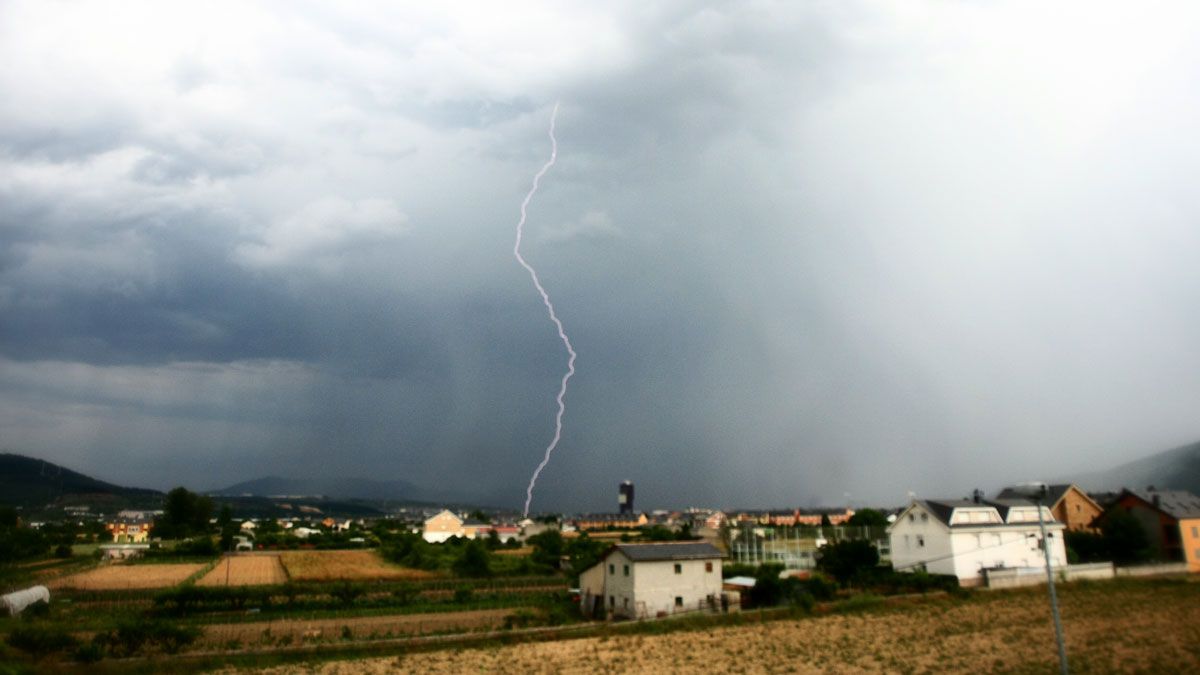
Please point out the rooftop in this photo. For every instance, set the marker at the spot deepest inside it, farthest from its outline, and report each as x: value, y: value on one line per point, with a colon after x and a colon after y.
x: 687, y: 550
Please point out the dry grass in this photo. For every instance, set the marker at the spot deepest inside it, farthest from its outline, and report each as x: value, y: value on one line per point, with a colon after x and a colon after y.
x: 1109, y: 628
x: 350, y: 565
x: 121, y: 577
x: 248, y: 570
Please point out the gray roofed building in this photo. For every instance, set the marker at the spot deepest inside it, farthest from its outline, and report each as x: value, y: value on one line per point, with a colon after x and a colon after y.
x: 689, y: 550
x: 1178, y: 504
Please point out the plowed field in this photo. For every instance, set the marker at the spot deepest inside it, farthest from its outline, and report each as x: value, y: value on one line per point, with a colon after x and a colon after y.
x: 119, y: 577
x: 350, y: 565
x: 245, y: 570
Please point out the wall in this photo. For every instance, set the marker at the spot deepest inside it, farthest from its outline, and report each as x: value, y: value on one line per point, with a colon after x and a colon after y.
x: 978, y: 549
x: 656, y: 584
x: 1152, y: 570
x: 1189, y: 534
x: 1076, y: 511
x: 907, y: 554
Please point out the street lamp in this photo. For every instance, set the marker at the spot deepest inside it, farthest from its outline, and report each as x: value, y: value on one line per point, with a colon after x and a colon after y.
x: 1037, y: 492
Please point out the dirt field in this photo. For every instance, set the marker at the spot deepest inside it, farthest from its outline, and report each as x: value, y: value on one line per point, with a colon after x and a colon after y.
x: 119, y: 577
x: 338, y: 565
x: 245, y: 570
x: 1109, y: 628
x: 262, y: 633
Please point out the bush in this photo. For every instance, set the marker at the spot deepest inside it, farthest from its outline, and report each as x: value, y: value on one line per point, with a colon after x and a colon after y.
x: 63, y: 551
x: 89, y: 653
x: 347, y: 593
x: 38, y: 641
x: 131, y: 637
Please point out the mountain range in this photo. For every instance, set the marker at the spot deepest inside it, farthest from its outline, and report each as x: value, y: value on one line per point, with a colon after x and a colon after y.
x: 1176, y: 469
x: 334, y: 488
x: 26, y: 481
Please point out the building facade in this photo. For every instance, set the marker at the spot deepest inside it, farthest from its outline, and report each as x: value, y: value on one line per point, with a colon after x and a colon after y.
x: 1171, y: 520
x: 967, y: 537
x: 649, y: 580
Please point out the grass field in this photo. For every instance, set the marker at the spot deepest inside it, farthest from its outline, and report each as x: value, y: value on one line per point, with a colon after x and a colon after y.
x: 122, y: 577
x: 1110, y: 627
x: 360, y: 565
x: 245, y: 570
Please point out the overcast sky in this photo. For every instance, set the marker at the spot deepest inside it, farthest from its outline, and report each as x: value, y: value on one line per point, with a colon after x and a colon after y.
x: 807, y: 252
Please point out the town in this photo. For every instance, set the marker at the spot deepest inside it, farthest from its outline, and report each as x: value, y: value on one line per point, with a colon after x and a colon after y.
x: 204, y: 583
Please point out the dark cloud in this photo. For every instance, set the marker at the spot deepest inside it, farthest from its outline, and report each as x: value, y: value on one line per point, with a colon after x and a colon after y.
x: 805, y: 254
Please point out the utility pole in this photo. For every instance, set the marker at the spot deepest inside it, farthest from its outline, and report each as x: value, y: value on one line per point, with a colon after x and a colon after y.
x: 1038, y: 492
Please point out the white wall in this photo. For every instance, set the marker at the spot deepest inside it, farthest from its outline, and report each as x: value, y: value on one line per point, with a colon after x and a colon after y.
x: 965, y: 550
x: 656, y: 585
x: 651, y: 587
x: 908, y: 553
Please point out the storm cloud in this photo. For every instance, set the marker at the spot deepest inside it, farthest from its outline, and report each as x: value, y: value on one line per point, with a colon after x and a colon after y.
x: 807, y: 252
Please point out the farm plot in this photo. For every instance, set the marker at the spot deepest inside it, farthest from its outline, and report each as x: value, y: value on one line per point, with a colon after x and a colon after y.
x: 1110, y: 627
x: 249, y: 570
x: 123, y: 577
x: 296, y: 631
x: 344, y: 565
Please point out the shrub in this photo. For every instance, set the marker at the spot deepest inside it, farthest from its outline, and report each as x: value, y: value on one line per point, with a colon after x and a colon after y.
x: 38, y: 641
x: 522, y: 618
x: 462, y: 595
x: 347, y: 592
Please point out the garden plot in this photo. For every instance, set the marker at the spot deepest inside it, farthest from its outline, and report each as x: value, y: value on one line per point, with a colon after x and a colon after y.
x: 248, y: 570
x: 124, y: 577
x: 356, y: 565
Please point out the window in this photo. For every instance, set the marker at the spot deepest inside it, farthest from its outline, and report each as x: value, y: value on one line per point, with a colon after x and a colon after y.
x: 1195, y: 531
x: 920, y: 541
x: 679, y: 601
x: 627, y: 570
x: 678, y: 568
x: 924, y: 517
x: 626, y: 603
x: 708, y: 567
x: 612, y: 569
x: 612, y: 601
x: 911, y: 517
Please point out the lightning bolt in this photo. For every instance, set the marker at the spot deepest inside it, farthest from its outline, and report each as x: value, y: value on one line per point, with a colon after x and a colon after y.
x: 562, y: 334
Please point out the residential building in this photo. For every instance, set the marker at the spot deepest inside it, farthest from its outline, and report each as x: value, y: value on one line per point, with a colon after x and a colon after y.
x: 1070, y: 505
x: 606, y: 521
x: 442, y: 527
x: 648, y: 580
x: 130, y: 530
x: 968, y: 536
x: 1171, y: 519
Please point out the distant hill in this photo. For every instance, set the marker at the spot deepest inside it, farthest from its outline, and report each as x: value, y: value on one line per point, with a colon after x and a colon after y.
x: 29, y: 482
x: 1177, y: 469
x: 333, y: 488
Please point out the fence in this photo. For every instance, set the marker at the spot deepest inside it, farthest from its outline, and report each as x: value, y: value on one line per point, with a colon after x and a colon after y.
x: 1012, y: 577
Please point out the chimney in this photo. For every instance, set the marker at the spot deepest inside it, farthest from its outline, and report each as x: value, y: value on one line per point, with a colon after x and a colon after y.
x: 977, y: 496
x: 1157, y: 500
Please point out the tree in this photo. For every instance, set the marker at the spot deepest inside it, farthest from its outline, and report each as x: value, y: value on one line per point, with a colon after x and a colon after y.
x: 825, y: 521
x: 547, y: 548
x: 480, y: 516
x: 1124, y: 537
x: 868, y: 518
x: 184, y: 514
x: 584, y: 552
x: 473, y: 561
x: 847, y: 560
x: 228, y: 529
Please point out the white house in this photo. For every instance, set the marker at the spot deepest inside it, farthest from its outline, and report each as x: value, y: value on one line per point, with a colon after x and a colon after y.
x: 964, y: 537
x: 647, y: 580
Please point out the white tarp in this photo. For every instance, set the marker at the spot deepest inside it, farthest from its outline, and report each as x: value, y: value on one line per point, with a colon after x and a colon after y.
x: 17, y: 601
